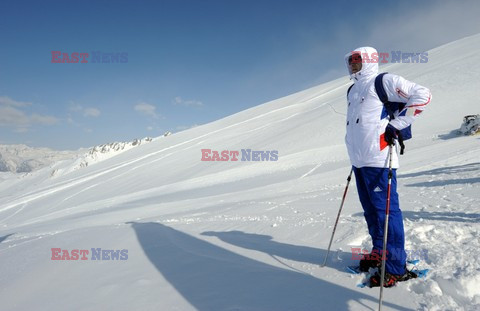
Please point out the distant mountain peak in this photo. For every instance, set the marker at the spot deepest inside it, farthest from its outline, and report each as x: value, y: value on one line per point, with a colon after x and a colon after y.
x: 24, y: 159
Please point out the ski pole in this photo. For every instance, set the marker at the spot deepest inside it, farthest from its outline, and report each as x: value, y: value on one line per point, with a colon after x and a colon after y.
x: 338, y: 216
x: 385, y: 228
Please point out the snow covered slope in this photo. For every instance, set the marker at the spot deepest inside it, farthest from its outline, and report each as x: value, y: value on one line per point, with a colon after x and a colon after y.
x: 250, y: 235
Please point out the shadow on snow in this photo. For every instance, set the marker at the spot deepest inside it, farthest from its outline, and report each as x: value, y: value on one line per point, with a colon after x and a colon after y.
x: 212, y: 278
x: 440, y: 216
x: 266, y: 244
x: 3, y: 238
x: 458, y: 169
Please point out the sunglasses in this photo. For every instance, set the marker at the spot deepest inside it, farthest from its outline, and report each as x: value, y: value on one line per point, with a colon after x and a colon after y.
x: 354, y: 59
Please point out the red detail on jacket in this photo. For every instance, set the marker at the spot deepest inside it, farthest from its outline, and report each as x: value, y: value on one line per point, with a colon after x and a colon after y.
x: 421, y: 105
x: 383, y: 143
x: 402, y: 94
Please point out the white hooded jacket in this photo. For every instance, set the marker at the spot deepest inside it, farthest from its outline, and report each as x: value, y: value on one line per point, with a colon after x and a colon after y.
x: 366, y: 120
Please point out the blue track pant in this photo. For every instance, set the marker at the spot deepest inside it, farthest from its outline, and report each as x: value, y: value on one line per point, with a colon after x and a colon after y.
x: 372, y: 186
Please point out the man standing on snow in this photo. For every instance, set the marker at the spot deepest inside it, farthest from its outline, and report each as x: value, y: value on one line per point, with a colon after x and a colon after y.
x: 371, y: 129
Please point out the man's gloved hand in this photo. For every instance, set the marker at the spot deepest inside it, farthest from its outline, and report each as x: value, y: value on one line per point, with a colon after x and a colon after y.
x: 391, y: 133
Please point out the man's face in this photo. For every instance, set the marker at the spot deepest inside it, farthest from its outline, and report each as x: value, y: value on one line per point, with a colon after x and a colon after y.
x: 355, y: 63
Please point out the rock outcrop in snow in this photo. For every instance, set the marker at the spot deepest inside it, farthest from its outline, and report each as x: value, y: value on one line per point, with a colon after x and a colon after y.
x: 105, y: 151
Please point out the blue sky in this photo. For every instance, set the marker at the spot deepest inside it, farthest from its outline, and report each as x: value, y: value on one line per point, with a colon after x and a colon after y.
x: 189, y: 62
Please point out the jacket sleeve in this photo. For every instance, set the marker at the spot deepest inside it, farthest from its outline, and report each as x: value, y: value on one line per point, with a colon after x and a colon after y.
x: 414, y: 95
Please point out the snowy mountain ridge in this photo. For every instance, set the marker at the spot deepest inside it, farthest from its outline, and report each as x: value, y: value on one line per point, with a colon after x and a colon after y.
x: 25, y: 159
x: 105, y: 151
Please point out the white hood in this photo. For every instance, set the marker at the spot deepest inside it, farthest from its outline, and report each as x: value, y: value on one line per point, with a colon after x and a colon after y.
x: 368, y: 68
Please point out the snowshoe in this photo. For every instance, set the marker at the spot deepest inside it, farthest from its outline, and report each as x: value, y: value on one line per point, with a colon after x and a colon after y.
x: 391, y: 279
